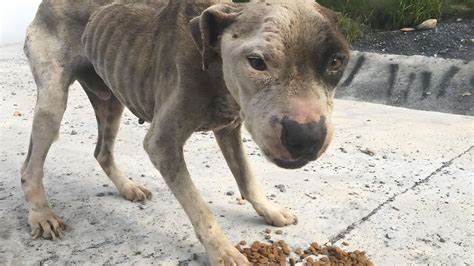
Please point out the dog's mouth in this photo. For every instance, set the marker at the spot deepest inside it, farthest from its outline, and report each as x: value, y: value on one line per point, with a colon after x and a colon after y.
x: 289, y: 164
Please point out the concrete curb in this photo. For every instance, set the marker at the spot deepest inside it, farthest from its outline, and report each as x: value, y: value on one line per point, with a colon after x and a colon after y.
x: 415, y: 82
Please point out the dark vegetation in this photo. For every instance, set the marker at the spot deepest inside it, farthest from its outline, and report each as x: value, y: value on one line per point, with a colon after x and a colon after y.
x: 360, y: 16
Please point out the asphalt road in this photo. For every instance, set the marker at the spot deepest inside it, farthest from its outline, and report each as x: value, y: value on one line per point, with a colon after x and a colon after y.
x: 448, y: 40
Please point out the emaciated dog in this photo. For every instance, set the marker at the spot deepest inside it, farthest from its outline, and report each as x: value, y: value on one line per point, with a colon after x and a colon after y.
x: 186, y: 66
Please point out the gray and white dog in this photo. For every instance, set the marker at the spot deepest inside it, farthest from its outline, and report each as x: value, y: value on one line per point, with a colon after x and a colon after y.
x: 186, y: 66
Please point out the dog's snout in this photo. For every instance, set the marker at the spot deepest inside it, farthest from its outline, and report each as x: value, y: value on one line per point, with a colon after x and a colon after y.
x: 303, y: 140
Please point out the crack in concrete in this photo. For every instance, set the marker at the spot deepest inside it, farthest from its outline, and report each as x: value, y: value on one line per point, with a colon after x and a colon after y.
x: 343, y: 233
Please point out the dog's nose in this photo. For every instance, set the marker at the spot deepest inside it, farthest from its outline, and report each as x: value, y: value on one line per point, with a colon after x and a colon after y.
x: 303, y: 140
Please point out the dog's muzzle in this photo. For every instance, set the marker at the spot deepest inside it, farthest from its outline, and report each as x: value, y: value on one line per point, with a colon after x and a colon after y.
x: 303, y: 141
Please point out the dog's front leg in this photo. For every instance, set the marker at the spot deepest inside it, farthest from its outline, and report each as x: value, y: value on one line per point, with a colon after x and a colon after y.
x: 230, y: 142
x: 164, y: 144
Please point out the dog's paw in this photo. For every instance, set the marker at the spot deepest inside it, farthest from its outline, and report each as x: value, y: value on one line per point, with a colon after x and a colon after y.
x: 278, y: 216
x: 46, y: 224
x: 228, y: 256
x: 134, y: 192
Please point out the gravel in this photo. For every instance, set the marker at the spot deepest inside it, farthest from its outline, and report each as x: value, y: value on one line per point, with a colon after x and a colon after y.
x: 448, y: 40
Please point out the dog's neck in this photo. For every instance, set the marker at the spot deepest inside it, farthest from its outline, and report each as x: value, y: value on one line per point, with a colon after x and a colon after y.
x: 223, y: 108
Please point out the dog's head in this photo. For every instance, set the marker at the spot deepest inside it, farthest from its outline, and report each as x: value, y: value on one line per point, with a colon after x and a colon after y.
x: 281, y: 62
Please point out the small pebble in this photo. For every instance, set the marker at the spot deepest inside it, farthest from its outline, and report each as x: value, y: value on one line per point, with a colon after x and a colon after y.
x: 407, y: 29
x: 281, y: 187
x: 368, y: 152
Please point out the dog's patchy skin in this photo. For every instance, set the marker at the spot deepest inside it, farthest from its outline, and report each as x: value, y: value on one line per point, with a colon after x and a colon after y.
x: 186, y: 66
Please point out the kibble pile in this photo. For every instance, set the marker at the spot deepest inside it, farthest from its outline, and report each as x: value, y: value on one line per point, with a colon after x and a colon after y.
x: 279, y: 253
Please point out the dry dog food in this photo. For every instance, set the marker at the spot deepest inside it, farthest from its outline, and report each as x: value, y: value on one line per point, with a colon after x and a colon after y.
x: 279, y: 253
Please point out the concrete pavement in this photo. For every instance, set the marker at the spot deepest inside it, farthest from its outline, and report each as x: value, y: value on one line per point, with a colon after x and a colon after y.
x: 411, y: 202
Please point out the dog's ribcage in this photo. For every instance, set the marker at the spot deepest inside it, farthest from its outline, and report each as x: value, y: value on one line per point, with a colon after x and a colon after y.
x: 122, y: 45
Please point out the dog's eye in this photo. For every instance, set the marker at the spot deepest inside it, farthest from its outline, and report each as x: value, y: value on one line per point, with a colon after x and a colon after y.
x: 257, y: 63
x: 335, y: 64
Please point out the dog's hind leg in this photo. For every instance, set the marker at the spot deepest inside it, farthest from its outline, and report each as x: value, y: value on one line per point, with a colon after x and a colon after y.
x: 53, y: 78
x: 108, y: 112
x: 230, y: 142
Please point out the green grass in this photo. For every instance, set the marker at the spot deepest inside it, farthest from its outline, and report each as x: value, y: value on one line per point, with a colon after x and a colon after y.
x: 460, y: 8
x: 387, y: 14
x: 351, y: 28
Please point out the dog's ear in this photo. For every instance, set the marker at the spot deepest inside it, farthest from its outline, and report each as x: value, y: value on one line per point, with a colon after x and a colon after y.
x: 329, y: 14
x: 207, y: 29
